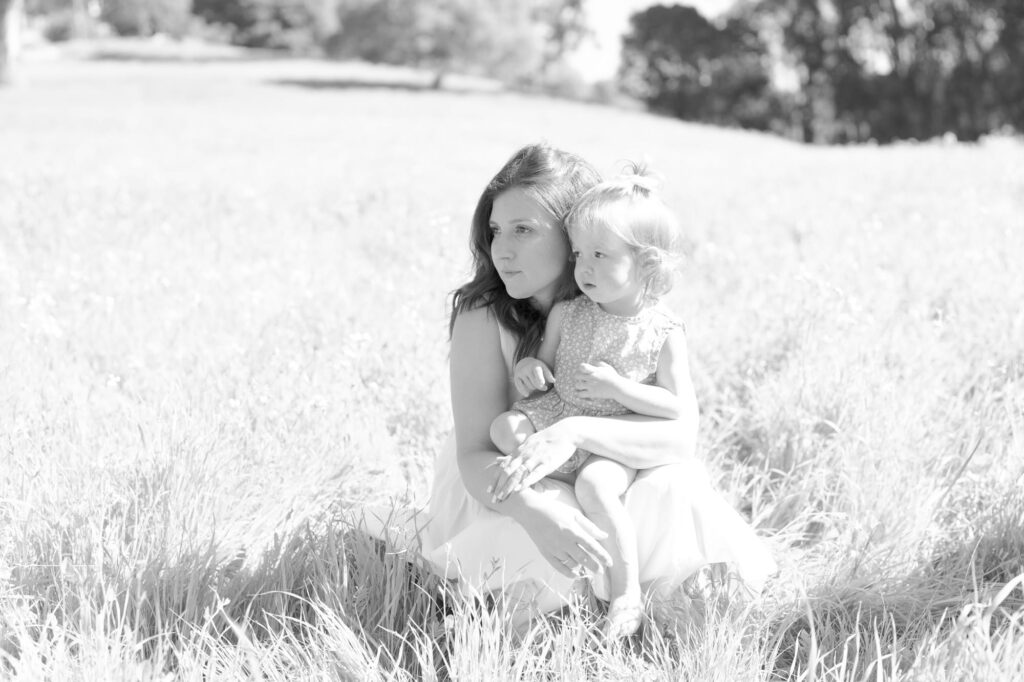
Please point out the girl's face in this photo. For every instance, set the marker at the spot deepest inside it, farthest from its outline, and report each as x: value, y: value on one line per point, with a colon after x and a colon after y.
x: 607, y: 270
x: 529, y: 249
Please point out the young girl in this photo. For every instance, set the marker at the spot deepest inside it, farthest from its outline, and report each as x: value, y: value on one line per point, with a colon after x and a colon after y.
x: 613, y: 352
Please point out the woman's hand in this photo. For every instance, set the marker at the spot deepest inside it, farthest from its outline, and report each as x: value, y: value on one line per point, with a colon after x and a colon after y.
x: 539, y: 455
x: 566, y: 538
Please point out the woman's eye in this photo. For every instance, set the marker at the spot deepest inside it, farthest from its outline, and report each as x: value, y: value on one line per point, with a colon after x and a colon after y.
x: 574, y: 254
x: 522, y: 229
x: 494, y: 229
x: 598, y: 254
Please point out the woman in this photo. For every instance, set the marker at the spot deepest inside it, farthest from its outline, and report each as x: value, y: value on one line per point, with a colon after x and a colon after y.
x: 536, y: 543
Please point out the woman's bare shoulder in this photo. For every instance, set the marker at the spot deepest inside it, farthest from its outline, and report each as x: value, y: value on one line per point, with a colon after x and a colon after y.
x: 476, y: 323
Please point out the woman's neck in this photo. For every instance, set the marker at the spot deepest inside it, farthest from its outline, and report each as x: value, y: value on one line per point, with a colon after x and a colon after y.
x: 542, y: 304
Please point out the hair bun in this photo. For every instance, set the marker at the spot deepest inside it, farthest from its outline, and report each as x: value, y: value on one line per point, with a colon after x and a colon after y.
x: 639, y: 178
x: 645, y: 183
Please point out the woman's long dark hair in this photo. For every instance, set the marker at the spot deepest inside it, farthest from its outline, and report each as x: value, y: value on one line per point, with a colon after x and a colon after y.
x: 553, y: 178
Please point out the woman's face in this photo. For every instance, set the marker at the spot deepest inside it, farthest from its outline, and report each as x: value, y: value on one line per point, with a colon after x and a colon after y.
x: 529, y: 251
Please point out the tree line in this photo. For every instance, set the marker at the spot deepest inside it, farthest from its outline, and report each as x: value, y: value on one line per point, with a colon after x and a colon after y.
x: 517, y: 41
x: 835, y: 71
x: 827, y: 71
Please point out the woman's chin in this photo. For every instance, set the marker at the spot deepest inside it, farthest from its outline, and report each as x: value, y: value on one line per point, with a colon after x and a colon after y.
x: 518, y: 293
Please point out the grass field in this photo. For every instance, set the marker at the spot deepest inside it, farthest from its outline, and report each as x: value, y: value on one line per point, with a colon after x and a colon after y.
x: 223, y: 326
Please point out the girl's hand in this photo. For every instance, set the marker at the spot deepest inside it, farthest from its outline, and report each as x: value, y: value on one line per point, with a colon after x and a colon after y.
x: 532, y: 375
x: 566, y: 538
x: 599, y: 380
x: 539, y: 455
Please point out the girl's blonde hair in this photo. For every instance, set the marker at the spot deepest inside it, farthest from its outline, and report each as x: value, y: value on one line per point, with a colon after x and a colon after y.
x: 629, y: 207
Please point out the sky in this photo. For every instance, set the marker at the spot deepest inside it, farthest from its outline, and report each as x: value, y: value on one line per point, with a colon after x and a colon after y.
x: 598, y: 58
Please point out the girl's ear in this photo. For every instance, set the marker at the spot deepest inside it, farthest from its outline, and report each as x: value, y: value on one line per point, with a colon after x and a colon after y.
x: 653, y: 269
x: 649, y: 260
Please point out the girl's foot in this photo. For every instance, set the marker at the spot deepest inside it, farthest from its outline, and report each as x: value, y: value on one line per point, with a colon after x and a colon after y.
x: 624, y: 618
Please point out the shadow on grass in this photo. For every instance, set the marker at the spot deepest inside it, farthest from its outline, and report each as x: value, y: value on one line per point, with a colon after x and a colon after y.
x: 323, y: 579
x: 381, y: 84
x: 115, y: 55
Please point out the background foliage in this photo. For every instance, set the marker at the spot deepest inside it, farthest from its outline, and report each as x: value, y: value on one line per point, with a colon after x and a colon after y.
x: 815, y: 70
x: 854, y: 71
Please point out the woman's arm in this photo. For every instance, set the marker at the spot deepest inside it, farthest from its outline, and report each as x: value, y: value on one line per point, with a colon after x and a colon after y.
x: 479, y: 385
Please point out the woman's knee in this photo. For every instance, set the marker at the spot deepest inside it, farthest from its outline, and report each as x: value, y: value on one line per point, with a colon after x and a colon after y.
x: 671, y: 478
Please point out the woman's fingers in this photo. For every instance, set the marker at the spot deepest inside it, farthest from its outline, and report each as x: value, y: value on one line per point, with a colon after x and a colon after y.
x: 586, y: 558
x: 590, y: 542
x: 505, y: 479
x: 584, y: 551
x: 562, y: 564
x: 533, y: 472
x: 509, y: 480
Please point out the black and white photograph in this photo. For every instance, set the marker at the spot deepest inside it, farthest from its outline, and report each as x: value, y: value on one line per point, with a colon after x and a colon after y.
x: 482, y: 340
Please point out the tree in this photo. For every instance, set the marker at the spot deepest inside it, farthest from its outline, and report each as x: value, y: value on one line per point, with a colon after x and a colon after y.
x: 507, y: 39
x: 897, y: 69
x: 565, y: 22
x: 147, y: 17
x: 296, y: 25
x: 10, y: 26
x: 678, y: 62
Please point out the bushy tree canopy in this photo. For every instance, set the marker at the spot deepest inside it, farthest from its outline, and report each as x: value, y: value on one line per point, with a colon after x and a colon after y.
x: 147, y: 17
x: 507, y: 39
x: 296, y: 25
x: 862, y: 69
x: 678, y: 62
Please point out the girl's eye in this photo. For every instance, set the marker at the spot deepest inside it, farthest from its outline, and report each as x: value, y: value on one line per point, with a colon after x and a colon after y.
x: 598, y: 254
x: 494, y: 229
x: 574, y: 255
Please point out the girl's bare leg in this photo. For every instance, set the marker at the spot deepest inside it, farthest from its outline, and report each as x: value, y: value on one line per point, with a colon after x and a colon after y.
x: 509, y: 430
x: 600, y: 485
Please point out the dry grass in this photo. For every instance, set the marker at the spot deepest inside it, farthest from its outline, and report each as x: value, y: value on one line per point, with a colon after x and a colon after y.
x: 223, y: 325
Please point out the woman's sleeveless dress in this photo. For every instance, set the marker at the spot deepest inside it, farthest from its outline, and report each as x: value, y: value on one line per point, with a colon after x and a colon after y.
x: 682, y: 524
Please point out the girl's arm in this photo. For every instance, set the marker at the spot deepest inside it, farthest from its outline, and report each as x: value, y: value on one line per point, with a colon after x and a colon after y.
x: 657, y: 400
x: 642, y: 442
x: 534, y: 374
x: 479, y: 386
x: 637, y: 441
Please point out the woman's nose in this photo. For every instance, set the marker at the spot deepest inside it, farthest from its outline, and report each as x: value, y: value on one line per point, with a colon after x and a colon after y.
x: 500, y: 248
